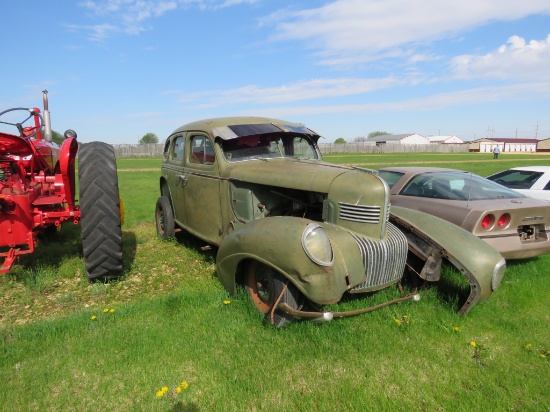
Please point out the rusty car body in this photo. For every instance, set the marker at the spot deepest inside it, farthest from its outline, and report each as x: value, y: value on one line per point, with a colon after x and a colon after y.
x: 515, y: 225
x: 298, y: 232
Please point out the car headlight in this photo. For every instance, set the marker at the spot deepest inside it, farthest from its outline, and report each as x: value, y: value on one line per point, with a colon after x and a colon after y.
x: 498, y: 274
x: 317, y: 245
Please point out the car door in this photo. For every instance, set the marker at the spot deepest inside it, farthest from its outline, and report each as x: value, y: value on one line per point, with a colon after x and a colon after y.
x: 201, y: 189
x: 173, y: 171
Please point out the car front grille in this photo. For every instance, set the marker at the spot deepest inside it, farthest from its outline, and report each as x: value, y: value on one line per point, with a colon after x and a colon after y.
x: 359, y: 213
x: 384, y: 261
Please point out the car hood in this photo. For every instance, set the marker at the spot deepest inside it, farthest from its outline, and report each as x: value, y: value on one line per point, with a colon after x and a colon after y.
x: 299, y: 174
x: 357, y: 199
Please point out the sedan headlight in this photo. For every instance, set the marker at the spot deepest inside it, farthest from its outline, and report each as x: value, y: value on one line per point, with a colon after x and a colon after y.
x: 317, y: 245
x: 498, y: 274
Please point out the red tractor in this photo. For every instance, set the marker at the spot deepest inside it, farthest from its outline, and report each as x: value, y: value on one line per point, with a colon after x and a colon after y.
x: 37, y: 192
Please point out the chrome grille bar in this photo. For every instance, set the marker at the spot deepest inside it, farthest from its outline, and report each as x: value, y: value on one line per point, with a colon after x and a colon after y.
x: 359, y: 213
x: 384, y: 261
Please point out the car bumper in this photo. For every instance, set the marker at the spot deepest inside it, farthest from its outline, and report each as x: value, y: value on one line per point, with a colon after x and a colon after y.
x: 327, y: 316
x: 511, y: 247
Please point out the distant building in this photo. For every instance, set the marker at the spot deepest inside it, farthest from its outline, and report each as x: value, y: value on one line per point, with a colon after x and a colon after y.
x: 543, y: 145
x: 411, y: 138
x: 506, y: 145
x: 445, y: 139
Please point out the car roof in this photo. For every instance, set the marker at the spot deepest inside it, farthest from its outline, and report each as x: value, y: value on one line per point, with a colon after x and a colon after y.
x: 231, y: 127
x: 544, y: 169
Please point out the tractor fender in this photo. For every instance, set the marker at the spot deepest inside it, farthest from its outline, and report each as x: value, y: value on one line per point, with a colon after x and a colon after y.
x: 480, y: 263
x: 276, y: 242
x: 67, y: 158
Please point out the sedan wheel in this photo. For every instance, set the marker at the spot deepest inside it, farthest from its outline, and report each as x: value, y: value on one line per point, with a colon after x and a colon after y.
x: 265, y: 285
x: 164, y: 218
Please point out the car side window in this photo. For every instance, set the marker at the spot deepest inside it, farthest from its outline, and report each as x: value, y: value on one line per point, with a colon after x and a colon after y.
x: 177, y: 151
x: 302, y: 148
x: 202, y: 150
x: 166, y: 152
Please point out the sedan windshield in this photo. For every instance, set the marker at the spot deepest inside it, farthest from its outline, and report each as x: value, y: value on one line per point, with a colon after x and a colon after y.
x: 390, y: 177
x: 268, y: 146
x: 456, y: 186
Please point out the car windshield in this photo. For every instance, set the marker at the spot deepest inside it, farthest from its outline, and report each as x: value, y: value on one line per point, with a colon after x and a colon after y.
x: 516, y: 179
x: 456, y: 186
x: 268, y: 146
x: 390, y: 177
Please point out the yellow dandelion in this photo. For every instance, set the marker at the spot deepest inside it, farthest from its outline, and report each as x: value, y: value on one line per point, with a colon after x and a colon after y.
x: 112, y: 310
x: 94, y: 317
x: 543, y: 356
x: 164, y: 389
x: 456, y: 329
x: 528, y: 346
x: 473, y: 344
x: 160, y: 394
x: 178, y: 389
x: 184, y: 385
x: 105, y: 310
x: 398, y: 321
x: 226, y: 302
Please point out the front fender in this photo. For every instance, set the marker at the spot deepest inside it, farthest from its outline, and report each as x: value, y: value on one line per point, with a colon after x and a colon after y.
x: 276, y: 242
x: 480, y: 263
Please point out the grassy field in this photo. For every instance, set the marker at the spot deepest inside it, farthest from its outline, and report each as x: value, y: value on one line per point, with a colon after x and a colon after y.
x: 167, y: 337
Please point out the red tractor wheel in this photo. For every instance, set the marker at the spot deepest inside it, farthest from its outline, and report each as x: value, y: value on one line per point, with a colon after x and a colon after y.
x: 100, y: 217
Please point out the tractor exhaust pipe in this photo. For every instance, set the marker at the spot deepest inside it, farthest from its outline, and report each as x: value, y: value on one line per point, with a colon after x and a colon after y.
x: 47, y: 123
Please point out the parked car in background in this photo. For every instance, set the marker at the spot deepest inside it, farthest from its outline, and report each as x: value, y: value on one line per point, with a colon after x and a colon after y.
x: 515, y: 225
x: 532, y: 181
x: 297, y: 232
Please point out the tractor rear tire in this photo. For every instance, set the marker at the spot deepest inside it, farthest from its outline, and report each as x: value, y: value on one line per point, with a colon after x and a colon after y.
x: 100, y: 217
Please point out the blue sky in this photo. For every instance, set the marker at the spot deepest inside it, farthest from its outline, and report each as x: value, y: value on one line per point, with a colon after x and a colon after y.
x: 118, y: 69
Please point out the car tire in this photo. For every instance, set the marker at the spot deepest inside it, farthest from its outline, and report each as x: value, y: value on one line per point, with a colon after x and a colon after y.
x: 264, y: 286
x: 164, y: 218
x: 100, y: 220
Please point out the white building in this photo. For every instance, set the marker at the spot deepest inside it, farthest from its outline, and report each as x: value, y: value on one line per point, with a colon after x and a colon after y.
x: 411, y: 138
x: 445, y: 139
x: 506, y: 145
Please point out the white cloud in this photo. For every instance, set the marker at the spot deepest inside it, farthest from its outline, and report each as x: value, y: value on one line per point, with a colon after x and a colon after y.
x: 130, y: 15
x: 517, y: 59
x: 351, y: 31
x: 434, y: 102
x: 305, y: 90
x: 97, y: 33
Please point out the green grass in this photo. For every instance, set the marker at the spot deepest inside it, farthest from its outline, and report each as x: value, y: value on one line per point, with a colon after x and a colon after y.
x: 171, y: 323
x: 478, y: 163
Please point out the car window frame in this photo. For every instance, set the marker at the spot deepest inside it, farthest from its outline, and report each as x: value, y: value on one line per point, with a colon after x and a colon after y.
x: 208, y: 149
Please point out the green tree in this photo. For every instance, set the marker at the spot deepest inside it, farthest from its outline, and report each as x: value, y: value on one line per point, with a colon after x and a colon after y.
x: 340, y: 140
x: 376, y: 133
x: 57, y: 137
x: 149, y: 138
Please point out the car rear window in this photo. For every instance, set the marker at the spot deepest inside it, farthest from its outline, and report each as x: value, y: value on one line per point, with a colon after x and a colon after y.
x: 456, y: 186
x: 516, y: 179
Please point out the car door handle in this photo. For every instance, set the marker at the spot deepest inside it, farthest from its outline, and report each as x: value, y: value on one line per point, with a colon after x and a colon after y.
x: 182, y: 179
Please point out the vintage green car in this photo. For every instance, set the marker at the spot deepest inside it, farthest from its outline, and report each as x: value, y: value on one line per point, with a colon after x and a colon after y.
x: 297, y: 232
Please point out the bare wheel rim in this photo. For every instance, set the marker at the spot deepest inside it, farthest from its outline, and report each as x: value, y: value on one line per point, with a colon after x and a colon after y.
x: 260, y: 286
